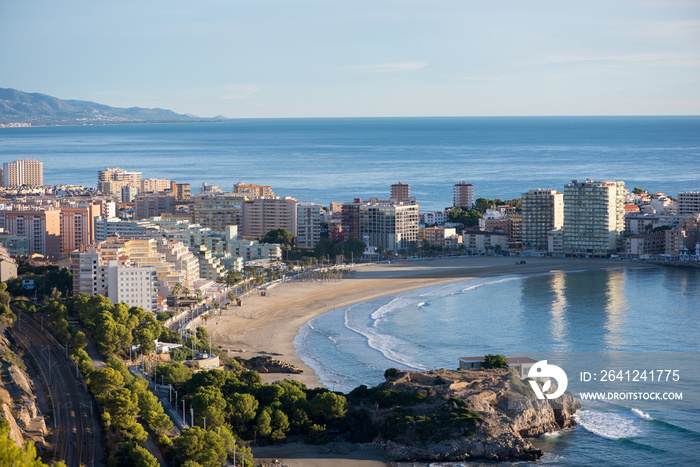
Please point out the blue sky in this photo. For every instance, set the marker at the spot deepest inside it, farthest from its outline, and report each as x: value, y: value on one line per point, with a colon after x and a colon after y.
x: 307, y: 58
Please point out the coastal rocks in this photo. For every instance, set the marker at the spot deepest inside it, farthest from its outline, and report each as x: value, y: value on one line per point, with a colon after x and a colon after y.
x: 266, y: 364
x: 466, y: 415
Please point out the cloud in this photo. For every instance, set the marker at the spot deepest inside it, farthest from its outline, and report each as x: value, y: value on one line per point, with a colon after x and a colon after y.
x: 240, y: 91
x: 389, y: 67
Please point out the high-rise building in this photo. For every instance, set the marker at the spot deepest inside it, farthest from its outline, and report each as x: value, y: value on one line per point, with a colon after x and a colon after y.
x: 463, y: 195
x: 400, y: 191
x: 133, y: 285
x: 260, y: 215
x: 78, y: 226
x: 594, y: 217
x: 689, y: 203
x: 542, y: 211
x: 308, y: 224
x: 23, y: 172
x: 387, y: 225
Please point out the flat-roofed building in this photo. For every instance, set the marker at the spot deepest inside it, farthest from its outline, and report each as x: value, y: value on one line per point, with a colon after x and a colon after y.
x: 41, y: 227
x: 154, y: 204
x: 78, y: 226
x: 308, y: 224
x: 218, y: 210
x: 111, y: 180
x: 261, y: 215
x: 155, y: 185
x: 652, y: 243
x: 28, y: 172
x: 542, y: 212
x: 133, y: 285
x: 252, y: 190
x: 463, y: 195
x: 689, y: 203
x: 594, y: 217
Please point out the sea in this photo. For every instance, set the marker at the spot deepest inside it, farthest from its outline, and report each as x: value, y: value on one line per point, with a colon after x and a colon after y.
x: 635, y: 310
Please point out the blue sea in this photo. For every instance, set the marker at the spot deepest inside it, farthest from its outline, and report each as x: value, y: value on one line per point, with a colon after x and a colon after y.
x: 632, y: 310
x: 325, y: 160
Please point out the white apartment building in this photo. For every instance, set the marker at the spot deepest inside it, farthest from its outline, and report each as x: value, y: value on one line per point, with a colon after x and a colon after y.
x: 28, y: 172
x: 133, y: 285
x: 542, y: 211
x: 308, y: 224
x: 594, y: 217
x: 434, y: 218
x: 479, y: 241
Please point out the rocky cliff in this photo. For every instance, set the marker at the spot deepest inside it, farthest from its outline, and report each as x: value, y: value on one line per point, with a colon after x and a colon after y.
x: 463, y: 415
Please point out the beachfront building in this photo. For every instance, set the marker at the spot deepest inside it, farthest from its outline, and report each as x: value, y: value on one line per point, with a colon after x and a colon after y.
x: 463, y: 195
x: 308, y: 224
x: 645, y: 244
x: 542, y: 212
x: 441, y: 237
x: 389, y: 225
x: 261, y: 215
x: 29, y: 172
x: 594, y: 217
x: 480, y: 241
x: 437, y: 218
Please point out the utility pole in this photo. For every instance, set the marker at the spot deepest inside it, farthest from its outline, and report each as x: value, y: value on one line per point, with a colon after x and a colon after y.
x: 191, y: 416
x: 183, y: 410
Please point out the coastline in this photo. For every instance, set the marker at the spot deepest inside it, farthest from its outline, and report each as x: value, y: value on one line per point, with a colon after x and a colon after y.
x: 267, y: 325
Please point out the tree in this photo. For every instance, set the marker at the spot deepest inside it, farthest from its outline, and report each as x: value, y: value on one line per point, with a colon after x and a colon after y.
x: 281, y: 236
x: 328, y: 406
x: 204, y: 447
x: 208, y: 402
x: 243, y: 408
x: 13, y: 455
x: 174, y: 373
x: 262, y: 425
x: 494, y: 361
x: 140, y: 457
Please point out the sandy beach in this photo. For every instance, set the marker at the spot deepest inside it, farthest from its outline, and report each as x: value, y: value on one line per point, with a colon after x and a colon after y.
x: 268, y: 324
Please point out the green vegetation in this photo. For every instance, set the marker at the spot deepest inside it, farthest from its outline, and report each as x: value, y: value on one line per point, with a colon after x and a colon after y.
x: 494, y: 361
x: 12, y: 455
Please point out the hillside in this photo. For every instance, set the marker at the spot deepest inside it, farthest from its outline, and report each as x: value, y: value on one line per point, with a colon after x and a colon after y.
x: 17, y: 107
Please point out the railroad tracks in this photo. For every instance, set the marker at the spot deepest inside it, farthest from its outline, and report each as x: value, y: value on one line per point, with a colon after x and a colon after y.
x: 76, y: 430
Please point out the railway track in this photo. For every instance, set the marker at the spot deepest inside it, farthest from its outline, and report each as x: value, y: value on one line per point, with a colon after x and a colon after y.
x: 75, y: 427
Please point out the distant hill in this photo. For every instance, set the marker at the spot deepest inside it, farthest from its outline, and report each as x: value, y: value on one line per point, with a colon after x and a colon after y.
x: 17, y: 107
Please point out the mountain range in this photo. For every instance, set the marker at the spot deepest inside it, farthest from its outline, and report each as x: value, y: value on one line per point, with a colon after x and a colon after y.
x: 21, y: 108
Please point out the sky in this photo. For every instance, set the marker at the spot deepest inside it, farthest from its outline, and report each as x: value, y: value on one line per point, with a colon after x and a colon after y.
x: 336, y: 58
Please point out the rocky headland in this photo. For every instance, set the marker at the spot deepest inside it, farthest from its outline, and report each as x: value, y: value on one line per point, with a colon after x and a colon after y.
x: 453, y: 416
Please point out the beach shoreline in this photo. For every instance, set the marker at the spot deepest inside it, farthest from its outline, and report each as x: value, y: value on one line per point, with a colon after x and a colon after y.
x: 267, y: 325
